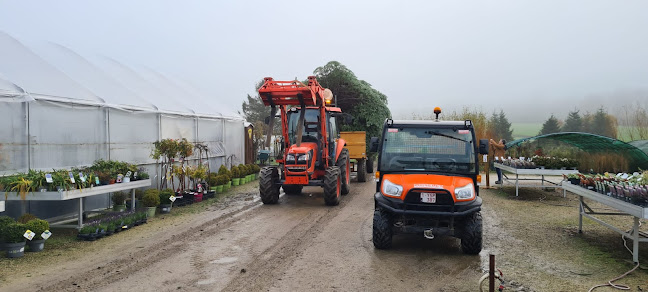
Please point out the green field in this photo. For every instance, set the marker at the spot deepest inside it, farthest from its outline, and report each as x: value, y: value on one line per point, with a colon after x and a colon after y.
x: 525, y: 130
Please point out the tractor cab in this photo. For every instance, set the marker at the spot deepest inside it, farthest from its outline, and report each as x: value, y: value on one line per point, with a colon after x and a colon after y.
x: 311, y: 135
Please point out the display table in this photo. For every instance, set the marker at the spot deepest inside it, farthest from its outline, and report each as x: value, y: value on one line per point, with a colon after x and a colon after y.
x: 536, y: 172
x: 81, y: 194
x: 626, y: 209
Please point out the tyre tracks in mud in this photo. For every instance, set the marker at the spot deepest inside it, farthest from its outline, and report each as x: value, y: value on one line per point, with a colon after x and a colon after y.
x: 124, y: 266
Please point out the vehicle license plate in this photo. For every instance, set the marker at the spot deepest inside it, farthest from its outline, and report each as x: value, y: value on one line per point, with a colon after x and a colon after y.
x: 428, y: 197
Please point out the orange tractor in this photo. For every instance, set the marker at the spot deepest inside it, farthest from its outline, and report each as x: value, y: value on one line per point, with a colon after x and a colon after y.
x: 312, y: 152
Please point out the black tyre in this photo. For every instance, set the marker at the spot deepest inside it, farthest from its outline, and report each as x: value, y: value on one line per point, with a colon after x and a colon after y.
x: 332, y: 186
x: 344, y: 165
x: 362, y: 171
x: 292, y: 189
x: 471, y: 235
x: 382, y: 230
x: 268, y: 187
x: 370, y: 165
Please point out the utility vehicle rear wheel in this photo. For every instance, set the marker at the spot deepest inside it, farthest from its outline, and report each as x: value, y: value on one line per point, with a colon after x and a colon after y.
x: 292, y: 189
x: 362, y: 171
x: 268, y: 187
x: 344, y: 165
x: 332, y: 186
x: 382, y: 230
x: 471, y: 235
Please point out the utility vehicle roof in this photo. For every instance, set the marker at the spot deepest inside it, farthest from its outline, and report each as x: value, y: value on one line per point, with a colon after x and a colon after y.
x: 429, y: 123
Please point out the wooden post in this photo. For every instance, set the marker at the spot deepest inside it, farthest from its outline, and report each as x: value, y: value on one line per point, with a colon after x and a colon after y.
x: 491, y: 273
x: 487, y: 173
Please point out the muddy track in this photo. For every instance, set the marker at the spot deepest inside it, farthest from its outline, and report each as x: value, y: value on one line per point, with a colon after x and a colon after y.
x: 124, y: 266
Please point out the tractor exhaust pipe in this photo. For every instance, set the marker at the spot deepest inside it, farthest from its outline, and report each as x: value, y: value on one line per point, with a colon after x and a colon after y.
x: 428, y: 233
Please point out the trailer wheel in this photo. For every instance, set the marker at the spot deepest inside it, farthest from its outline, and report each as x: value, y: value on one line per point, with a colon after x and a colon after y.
x: 370, y: 166
x: 332, y: 186
x: 362, y: 171
x: 344, y: 165
x: 382, y: 231
x: 471, y: 235
x: 268, y: 187
x: 292, y: 189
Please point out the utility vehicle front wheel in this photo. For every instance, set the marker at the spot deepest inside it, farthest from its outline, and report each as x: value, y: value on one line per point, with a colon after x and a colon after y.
x: 471, y: 235
x: 382, y: 230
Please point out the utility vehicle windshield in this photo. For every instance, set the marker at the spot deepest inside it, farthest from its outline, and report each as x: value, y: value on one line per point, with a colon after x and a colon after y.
x: 309, y: 131
x: 428, y: 149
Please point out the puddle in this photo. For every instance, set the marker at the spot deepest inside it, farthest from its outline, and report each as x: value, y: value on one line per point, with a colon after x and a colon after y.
x: 206, y: 282
x: 225, y: 260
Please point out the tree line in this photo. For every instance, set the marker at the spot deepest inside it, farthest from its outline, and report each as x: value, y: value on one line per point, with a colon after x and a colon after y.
x: 600, y: 123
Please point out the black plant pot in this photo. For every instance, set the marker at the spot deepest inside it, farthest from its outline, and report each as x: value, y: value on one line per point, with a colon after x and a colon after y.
x: 36, y: 245
x: 15, y: 250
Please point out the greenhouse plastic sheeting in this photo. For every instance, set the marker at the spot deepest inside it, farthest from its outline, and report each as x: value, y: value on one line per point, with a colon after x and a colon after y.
x: 13, y: 137
x: 641, y: 144
x: 593, y: 143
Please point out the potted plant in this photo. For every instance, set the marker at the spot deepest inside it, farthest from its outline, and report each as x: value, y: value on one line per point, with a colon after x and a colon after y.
x: 39, y: 227
x: 119, y: 199
x: 151, y: 200
x: 14, y: 241
x: 236, y: 180
x: 165, y: 201
x: 4, y: 221
x: 88, y: 232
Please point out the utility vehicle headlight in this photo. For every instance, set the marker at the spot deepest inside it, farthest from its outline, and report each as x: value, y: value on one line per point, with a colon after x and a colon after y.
x: 465, y: 193
x: 290, y: 157
x: 391, y: 189
x: 303, y: 158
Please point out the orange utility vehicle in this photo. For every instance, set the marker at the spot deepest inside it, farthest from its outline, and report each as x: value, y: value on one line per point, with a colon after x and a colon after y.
x: 313, y: 153
x: 361, y: 163
x: 427, y: 181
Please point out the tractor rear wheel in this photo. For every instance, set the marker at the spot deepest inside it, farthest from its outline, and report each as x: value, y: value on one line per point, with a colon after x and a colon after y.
x: 292, y: 189
x: 370, y: 166
x: 344, y: 165
x: 332, y: 186
x: 471, y: 235
x: 362, y: 171
x: 382, y: 230
x: 268, y: 187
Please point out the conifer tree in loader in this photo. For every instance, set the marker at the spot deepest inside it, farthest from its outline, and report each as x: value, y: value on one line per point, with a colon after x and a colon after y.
x: 312, y: 152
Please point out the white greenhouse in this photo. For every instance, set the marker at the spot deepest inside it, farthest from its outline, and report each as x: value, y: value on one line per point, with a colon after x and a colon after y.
x: 59, y: 110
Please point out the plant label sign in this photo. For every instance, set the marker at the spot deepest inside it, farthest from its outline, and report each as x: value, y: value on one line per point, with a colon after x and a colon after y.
x: 46, y: 234
x: 71, y: 177
x: 82, y: 177
x: 129, y: 173
x: 48, y: 178
x: 29, y: 234
x: 120, y: 178
x: 172, y: 198
x: 485, y: 158
x: 97, y: 181
x: 135, y: 174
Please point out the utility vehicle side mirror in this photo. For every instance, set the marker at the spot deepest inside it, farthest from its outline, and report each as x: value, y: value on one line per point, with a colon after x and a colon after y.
x: 373, y: 144
x: 483, y: 146
x: 348, y: 119
x: 267, y: 121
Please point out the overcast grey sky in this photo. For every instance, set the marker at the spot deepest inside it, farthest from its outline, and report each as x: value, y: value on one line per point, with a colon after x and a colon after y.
x: 530, y: 58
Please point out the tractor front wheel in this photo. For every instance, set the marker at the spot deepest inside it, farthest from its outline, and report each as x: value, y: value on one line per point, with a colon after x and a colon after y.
x: 362, y: 171
x: 332, y: 186
x: 268, y: 187
x: 344, y: 165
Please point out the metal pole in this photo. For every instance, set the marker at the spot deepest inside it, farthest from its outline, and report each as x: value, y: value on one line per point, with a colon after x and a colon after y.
x: 487, y: 173
x: 491, y: 273
x: 27, y: 125
x: 108, y: 133
x: 80, y: 213
x: 133, y: 200
x: 635, y: 240
x: 516, y: 183
x: 580, y: 214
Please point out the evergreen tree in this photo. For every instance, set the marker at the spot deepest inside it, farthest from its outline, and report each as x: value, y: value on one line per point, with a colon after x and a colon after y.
x: 551, y: 125
x: 504, y: 127
x: 604, y: 124
x: 573, y: 123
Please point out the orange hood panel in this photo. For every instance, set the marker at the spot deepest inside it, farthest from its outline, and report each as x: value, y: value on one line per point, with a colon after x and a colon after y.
x: 427, y: 181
